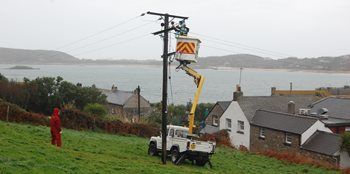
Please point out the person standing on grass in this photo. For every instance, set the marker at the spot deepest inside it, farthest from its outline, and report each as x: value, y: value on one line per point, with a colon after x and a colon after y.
x: 55, y: 125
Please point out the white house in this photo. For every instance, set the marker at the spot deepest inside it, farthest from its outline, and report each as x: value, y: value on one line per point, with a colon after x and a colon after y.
x: 237, y: 116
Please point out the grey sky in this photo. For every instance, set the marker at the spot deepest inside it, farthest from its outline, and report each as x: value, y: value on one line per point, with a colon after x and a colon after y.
x: 303, y: 28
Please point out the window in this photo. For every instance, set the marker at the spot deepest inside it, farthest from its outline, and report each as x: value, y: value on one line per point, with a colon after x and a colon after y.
x: 288, y: 139
x: 347, y: 129
x: 240, y: 127
x: 171, y: 133
x: 228, y: 124
x: 215, y: 120
x: 180, y: 134
x: 262, y: 133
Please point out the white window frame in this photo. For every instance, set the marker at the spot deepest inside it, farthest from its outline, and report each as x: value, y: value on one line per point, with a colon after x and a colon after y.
x: 240, y: 126
x: 262, y: 132
x: 215, y: 120
x: 228, y: 124
x: 288, y: 135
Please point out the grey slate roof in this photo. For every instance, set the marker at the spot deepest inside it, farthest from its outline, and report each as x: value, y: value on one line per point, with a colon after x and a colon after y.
x: 209, y: 129
x: 323, y: 142
x: 117, y: 97
x: 282, y: 121
x: 337, y: 107
x: 249, y: 104
x: 224, y: 104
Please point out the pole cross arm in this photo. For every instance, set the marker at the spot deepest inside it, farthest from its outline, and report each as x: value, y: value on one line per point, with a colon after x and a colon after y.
x: 166, y: 14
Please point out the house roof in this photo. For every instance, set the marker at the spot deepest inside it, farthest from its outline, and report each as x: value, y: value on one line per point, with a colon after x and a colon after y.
x: 282, y: 121
x: 337, y: 107
x: 209, y: 129
x: 224, y: 104
x: 323, y: 142
x: 249, y: 104
x: 117, y: 97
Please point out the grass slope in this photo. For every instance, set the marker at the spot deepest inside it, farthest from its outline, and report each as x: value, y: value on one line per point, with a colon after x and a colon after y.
x: 26, y: 149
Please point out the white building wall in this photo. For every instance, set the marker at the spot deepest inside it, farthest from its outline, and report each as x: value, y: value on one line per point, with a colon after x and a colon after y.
x: 235, y: 113
x: 317, y: 126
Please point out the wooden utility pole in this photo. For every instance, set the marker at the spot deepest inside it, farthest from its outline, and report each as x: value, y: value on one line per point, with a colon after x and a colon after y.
x: 7, y: 113
x: 165, y: 57
x: 138, y: 102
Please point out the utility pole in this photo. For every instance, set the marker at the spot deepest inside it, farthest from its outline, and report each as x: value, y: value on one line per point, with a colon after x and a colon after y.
x: 165, y: 57
x: 138, y: 102
x: 7, y: 113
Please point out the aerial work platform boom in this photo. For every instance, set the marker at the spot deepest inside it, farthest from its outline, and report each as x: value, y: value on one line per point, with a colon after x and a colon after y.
x: 198, y: 80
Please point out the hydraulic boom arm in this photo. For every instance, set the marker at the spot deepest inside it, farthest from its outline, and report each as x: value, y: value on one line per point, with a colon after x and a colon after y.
x: 198, y: 80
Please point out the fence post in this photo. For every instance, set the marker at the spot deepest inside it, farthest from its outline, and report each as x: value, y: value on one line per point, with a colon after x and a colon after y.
x: 7, y: 113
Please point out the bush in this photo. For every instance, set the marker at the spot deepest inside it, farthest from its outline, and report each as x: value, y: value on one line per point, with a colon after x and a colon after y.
x: 75, y: 119
x: 297, y: 158
x: 345, y: 144
x: 17, y: 114
x: 221, y: 138
x: 95, y: 109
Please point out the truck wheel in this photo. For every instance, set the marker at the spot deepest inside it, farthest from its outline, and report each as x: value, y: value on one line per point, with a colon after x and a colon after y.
x: 152, y: 149
x: 175, y: 155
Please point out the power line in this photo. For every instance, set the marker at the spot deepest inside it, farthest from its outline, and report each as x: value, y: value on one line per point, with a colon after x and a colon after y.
x: 226, y: 50
x: 111, y: 37
x: 118, y: 43
x: 99, y: 32
x: 243, y: 46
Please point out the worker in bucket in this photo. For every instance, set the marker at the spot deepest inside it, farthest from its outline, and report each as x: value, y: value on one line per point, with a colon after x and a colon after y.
x: 55, y: 125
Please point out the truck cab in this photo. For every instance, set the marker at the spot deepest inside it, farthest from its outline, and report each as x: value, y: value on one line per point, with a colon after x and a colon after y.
x: 181, y: 145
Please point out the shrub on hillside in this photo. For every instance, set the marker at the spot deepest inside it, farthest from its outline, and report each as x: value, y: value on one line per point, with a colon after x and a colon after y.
x: 75, y: 119
x: 95, y: 109
x: 297, y: 158
x: 17, y: 114
x: 221, y: 138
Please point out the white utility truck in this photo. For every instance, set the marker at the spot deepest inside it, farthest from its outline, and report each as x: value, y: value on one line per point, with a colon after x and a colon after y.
x: 181, y: 145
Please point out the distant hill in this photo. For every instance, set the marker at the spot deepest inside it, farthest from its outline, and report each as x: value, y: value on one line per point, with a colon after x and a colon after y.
x: 22, y: 56
x: 28, y: 57
x: 340, y: 63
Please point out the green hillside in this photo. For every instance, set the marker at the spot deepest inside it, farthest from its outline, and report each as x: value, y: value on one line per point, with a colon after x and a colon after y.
x: 26, y: 149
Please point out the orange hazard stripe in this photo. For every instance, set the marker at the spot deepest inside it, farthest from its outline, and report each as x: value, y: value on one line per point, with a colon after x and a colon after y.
x: 186, y: 47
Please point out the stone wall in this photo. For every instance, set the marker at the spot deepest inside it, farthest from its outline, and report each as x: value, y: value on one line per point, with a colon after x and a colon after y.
x: 274, y: 140
x: 320, y: 157
x: 216, y: 111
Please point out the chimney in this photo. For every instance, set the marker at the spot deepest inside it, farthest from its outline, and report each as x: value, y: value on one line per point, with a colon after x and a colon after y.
x: 238, y: 94
x: 291, y: 107
x: 114, y: 88
x: 273, y: 91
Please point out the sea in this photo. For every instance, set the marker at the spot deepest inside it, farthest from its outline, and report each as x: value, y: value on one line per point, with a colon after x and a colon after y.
x: 219, y: 83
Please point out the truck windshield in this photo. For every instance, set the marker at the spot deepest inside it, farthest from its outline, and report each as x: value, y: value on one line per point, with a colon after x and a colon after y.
x: 181, y: 133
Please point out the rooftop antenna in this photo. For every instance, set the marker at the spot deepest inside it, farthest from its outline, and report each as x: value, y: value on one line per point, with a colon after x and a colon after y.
x: 240, y: 75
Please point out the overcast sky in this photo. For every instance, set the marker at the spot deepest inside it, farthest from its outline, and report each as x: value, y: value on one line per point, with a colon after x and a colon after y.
x: 268, y: 28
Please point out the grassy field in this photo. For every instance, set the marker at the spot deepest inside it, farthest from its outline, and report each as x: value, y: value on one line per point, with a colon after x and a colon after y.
x: 26, y: 149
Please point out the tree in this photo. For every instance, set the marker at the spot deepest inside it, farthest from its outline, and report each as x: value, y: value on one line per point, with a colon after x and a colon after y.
x: 95, y: 109
x: 3, y: 78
